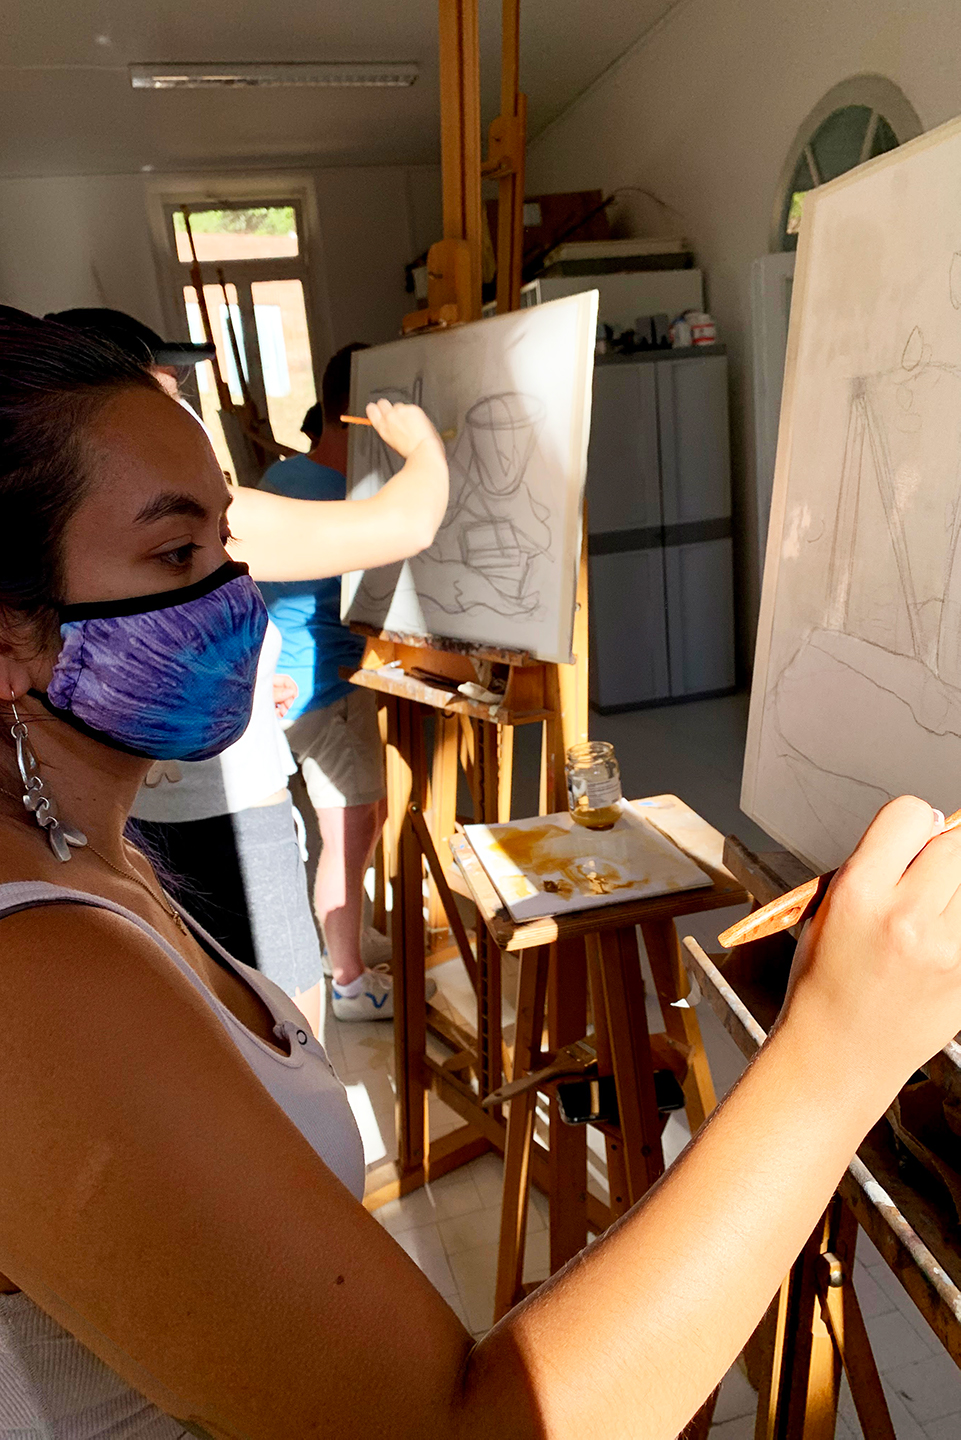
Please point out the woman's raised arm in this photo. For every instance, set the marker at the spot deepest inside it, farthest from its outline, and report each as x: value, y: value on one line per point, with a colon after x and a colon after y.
x: 170, y: 1215
x: 283, y: 539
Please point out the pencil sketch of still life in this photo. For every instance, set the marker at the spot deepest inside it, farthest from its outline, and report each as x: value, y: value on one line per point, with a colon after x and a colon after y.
x: 511, y: 398
x: 857, y: 687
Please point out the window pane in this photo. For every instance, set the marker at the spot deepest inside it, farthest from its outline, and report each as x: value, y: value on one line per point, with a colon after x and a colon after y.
x: 884, y: 138
x: 838, y: 140
x: 206, y: 384
x: 259, y: 232
x: 801, y: 182
x: 284, y: 357
x: 794, y: 212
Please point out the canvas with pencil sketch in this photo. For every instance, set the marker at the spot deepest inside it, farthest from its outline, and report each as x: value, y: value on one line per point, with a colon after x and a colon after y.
x: 549, y: 865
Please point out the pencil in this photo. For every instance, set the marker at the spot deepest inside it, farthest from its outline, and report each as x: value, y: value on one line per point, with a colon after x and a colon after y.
x: 362, y: 420
x: 795, y: 907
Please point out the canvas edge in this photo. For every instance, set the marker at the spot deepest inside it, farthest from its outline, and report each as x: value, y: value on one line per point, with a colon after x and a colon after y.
x: 579, y: 442
x: 782, y: 466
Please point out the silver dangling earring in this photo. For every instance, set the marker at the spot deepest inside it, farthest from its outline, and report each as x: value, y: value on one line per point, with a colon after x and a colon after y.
x: 61, y: 836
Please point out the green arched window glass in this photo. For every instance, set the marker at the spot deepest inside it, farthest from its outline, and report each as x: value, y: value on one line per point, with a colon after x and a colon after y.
x: 858, y: 120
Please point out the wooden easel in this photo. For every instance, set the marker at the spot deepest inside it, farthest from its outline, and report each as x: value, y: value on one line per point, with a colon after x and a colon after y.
x: 814, y: 1330
x: 599, y: 948
x: 477, y: 738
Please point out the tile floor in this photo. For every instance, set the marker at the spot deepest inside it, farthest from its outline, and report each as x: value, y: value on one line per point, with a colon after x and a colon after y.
x: 450, y: 1228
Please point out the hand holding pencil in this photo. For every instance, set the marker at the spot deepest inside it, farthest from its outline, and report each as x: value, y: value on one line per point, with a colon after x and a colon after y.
x: 797, y: 905
x: 402, y: 427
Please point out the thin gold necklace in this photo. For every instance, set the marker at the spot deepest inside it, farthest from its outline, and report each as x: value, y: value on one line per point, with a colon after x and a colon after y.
x: 175, y: 915
x: 161, y: 899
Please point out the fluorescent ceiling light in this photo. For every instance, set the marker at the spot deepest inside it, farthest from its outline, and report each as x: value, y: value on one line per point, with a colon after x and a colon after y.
x: 222, y: 75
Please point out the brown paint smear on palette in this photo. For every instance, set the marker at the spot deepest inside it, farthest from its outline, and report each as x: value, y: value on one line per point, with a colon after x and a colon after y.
x: 540, y: 852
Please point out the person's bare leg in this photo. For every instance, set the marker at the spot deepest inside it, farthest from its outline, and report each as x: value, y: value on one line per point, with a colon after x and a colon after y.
x: 309, y: 1002
x: 380, y: 820
x: 349, y: 833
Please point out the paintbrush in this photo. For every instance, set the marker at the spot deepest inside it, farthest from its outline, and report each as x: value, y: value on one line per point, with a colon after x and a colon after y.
x: 362, y: 420
x: 795, y: 907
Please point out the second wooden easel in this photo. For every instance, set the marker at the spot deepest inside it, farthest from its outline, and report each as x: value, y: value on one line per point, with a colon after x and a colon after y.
x: 476, y: 737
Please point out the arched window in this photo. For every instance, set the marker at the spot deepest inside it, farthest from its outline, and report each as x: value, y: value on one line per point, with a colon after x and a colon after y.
x: 857, y: 120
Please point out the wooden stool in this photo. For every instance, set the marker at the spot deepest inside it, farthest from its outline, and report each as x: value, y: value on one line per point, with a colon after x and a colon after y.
x: 562, y: 960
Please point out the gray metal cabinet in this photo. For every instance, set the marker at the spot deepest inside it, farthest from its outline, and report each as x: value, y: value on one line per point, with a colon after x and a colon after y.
x: 659, y: 529
x: 628, y: 658
x: 693, y: 432
x: 618, y: 451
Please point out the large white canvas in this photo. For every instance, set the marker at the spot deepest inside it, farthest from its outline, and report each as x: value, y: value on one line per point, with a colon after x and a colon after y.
x: 515, y: 391
x: 857, y: 684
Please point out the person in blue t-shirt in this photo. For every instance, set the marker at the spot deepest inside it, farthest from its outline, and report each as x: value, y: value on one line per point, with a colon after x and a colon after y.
x: 332, y: 725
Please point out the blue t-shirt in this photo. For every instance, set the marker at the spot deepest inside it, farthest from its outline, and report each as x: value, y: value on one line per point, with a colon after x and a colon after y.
x: 307, y: 612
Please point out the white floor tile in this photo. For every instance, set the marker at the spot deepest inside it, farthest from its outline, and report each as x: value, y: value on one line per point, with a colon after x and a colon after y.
x: 737, y: 1398
x: 455, y: 1194
x: 902, y: 1301
x: 929, y: 1389
x: 441, y: 1119
x: 372, y: 1101
x: 895, y: 1342
x: 947, y: 1428
x: 488, y: 1175
x: 871, y: 1298
x: 467, y: 1232
x: 480, y: 1227
x: 425, y: 1248
x: 475, y: 1272
x: 741, y: 1428
x: 454, y: 1301
x: 537, y: 1256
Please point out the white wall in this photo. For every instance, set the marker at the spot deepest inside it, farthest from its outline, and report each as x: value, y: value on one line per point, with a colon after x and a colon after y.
x: 703, y: 114
x: 77, y: 241
x: 87, y: 241
x: 373, y: 222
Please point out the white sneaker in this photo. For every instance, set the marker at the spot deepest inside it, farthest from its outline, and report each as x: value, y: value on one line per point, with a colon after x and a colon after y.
x: 376, y: 999
x: 375, y: 947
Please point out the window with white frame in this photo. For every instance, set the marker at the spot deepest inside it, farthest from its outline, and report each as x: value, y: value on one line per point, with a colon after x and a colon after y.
x: 255, y: 279
x: 857, y: 120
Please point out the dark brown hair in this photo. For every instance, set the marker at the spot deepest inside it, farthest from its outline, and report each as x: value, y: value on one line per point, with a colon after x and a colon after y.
x: 53, y: 381
x: 335, y: 385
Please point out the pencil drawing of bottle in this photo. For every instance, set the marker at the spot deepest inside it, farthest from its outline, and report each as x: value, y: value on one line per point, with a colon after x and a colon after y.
x: 494, y: 527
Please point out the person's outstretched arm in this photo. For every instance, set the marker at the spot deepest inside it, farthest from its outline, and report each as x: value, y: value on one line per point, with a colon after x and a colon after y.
x: 187, y: 1233
x: 283, y: 539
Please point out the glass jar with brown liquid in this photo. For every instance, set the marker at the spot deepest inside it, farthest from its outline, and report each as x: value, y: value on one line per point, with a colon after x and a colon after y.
x: 594, y: 785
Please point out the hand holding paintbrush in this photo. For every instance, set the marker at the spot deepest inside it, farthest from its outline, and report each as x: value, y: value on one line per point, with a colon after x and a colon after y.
x: 797, y: 905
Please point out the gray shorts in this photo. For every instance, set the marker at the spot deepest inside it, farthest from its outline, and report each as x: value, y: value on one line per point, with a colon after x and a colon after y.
x: 339, y: 751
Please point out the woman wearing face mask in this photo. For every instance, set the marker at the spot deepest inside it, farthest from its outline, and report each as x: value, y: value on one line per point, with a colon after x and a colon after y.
x: 182, y: 1243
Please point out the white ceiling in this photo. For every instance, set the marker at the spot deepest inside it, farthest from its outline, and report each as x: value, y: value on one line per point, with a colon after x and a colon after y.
x: 67, y: 108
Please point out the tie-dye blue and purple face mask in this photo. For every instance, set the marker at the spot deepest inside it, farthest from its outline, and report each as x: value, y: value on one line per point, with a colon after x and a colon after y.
x: 168, y: 676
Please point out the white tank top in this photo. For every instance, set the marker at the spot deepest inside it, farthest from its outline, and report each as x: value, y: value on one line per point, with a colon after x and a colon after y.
x: 51, y: 1386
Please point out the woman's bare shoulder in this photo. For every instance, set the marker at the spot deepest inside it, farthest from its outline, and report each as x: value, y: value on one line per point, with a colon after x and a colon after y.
x: 158, y: 1203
